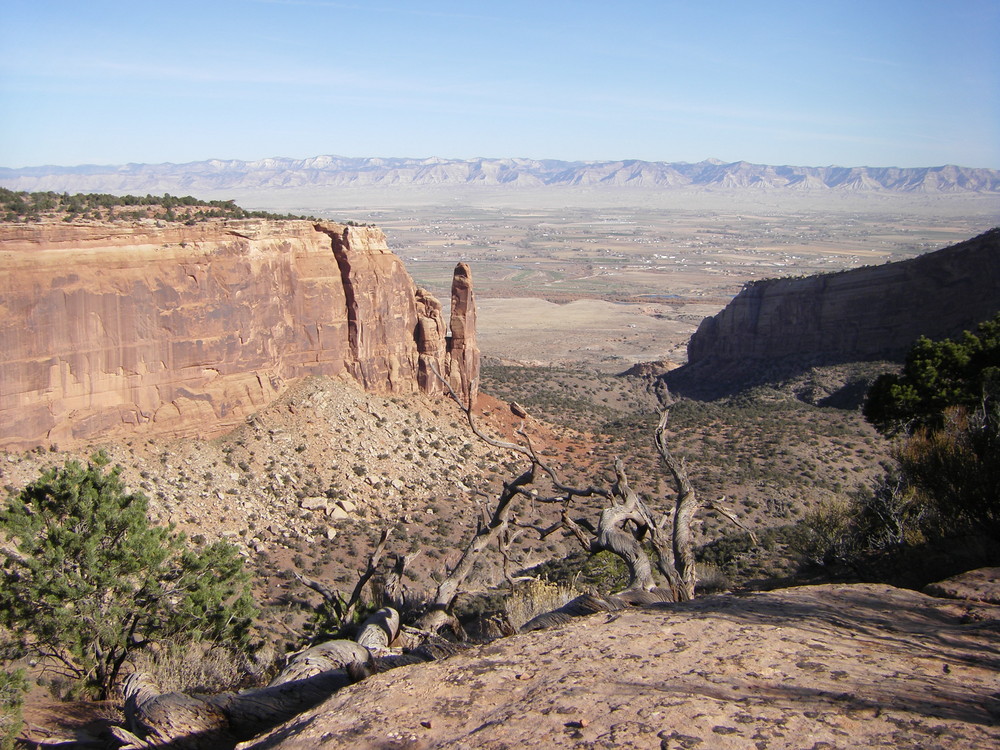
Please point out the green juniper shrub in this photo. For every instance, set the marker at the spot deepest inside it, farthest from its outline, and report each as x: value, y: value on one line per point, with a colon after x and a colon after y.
x: 13, y: 685
x: 89, y: 581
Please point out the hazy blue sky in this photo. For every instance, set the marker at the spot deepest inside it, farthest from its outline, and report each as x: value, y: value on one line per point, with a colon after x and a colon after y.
x: 809, y: 82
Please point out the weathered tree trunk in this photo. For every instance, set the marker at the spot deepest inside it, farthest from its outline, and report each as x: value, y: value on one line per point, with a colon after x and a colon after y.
x: 439, y: 613
x: 165, y: 718
x: 391, y: 584
x: 611, y: 534
x: 685, y: 507
x: 195, y: 722
x: 379, y: 630
x: 589, y: 604
x: 325, y: 657
x: 585, y: 604
x: 192, y: 721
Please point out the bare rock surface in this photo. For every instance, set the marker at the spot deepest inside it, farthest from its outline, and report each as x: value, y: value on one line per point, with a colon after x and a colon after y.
x: 832, y: 666
x: 982, y: 585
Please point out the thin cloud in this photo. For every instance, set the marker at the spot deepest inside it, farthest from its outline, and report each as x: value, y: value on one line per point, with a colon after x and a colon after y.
x: 95, y: 73
x: 377, y: 9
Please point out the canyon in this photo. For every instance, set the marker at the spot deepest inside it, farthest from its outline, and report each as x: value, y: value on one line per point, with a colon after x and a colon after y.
x: 180, y: 330
x: 186, y: 330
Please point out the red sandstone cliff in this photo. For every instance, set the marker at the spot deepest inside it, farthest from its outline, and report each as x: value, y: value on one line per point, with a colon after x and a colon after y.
x: 186, y: 330
x: 780, y: 326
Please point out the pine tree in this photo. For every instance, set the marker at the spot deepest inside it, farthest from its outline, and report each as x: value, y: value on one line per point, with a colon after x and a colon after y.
x: 88, y: 580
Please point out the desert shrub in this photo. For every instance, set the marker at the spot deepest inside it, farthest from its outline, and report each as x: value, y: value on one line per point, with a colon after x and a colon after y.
x: 711, y: 579
x: 955, y: 470
x: 605, y: 572
x: 886, y: 514
x: 882, y: 516
x: 88, y: 580
x: 822, y: 534
x: 723, y: 551
x: 946, y: 404
x: 741, y: 560
x: 942, y: 485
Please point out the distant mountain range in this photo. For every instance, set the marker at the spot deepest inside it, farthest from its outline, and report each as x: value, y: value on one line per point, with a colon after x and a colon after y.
x: 218, y: 176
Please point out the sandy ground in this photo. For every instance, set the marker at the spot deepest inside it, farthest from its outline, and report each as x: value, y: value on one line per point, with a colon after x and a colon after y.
x: 604, y: 335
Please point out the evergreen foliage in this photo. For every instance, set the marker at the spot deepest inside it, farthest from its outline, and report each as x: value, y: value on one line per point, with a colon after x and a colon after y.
x: 964, y: 372
x: 944, y: 483
x: 947, y: 401
x: 12, y: 689
x: 88, y: 580
x: 22, y: 206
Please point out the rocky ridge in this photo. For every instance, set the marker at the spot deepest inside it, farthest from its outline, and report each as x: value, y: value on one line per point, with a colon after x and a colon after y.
x: 337, y: 171
x: 777, y: 327
x: 186, y: 330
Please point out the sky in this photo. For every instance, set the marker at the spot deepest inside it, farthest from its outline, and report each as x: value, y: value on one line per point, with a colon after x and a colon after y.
x: 906, y: 83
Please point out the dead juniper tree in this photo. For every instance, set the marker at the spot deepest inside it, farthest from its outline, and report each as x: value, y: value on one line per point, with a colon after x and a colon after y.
x: 624, y: 525
x: 338, y: 611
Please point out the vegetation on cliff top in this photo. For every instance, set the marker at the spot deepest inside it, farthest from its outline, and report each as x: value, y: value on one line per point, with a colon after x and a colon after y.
x: 25, y: 207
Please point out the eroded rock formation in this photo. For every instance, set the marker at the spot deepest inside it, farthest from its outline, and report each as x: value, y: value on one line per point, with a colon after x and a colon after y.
x: 188, y: 329
x: 781, y: 326
x: 463, y: 353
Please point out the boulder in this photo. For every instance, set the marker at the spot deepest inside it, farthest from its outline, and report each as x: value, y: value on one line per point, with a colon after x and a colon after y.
x: 982, y: 585
x: 315, y: 503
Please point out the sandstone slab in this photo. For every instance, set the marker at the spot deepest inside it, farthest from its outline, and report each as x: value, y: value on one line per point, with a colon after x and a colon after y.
x: 833, y: 666
x: 982, y: 585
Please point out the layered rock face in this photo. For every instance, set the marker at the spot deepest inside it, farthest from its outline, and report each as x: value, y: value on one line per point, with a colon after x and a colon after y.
x: 186, y: 330
x: 864, y: 314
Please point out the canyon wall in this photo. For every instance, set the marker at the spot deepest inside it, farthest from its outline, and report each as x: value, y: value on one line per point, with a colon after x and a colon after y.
x: 185, y: 330
x: 779, y: 326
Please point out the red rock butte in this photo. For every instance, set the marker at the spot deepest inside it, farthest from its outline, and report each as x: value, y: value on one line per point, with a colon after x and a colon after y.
x: 186, y: 330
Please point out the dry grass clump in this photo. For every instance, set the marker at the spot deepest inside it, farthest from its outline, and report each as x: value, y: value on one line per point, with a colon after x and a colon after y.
x: 711, y: 579
x: 199, y: 668
x: 536, y: 597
